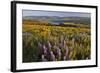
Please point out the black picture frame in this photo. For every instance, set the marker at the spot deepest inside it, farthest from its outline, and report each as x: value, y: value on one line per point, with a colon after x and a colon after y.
x: 14, y: 30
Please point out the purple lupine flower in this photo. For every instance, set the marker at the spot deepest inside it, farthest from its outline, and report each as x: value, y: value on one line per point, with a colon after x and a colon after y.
x: 48, y: 55
x: 55, y: 50
x: 52, y: 56
x: 40, y: 47
x: 43, y: 58
x: 64, y: 43
x: 66, y: 51
x: 49, y: 45
x: 73, y: 41
x: 59, y: 53
x: 64, y: 58
x: 44, y: 49
x: 61, y: 45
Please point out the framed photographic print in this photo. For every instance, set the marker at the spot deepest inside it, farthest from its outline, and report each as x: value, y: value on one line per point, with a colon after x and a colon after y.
x: 47, y: 36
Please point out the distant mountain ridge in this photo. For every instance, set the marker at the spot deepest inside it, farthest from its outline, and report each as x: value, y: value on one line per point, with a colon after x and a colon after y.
x: 60, y: 20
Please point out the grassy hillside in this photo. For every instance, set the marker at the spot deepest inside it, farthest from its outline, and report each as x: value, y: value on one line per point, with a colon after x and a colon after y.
x: 45, y: 42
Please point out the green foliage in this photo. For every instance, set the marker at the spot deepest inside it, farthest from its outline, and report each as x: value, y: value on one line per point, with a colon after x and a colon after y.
x: 77, y: 40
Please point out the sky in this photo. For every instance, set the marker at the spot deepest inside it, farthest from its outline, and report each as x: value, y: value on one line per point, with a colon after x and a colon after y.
x: 54, y: 13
